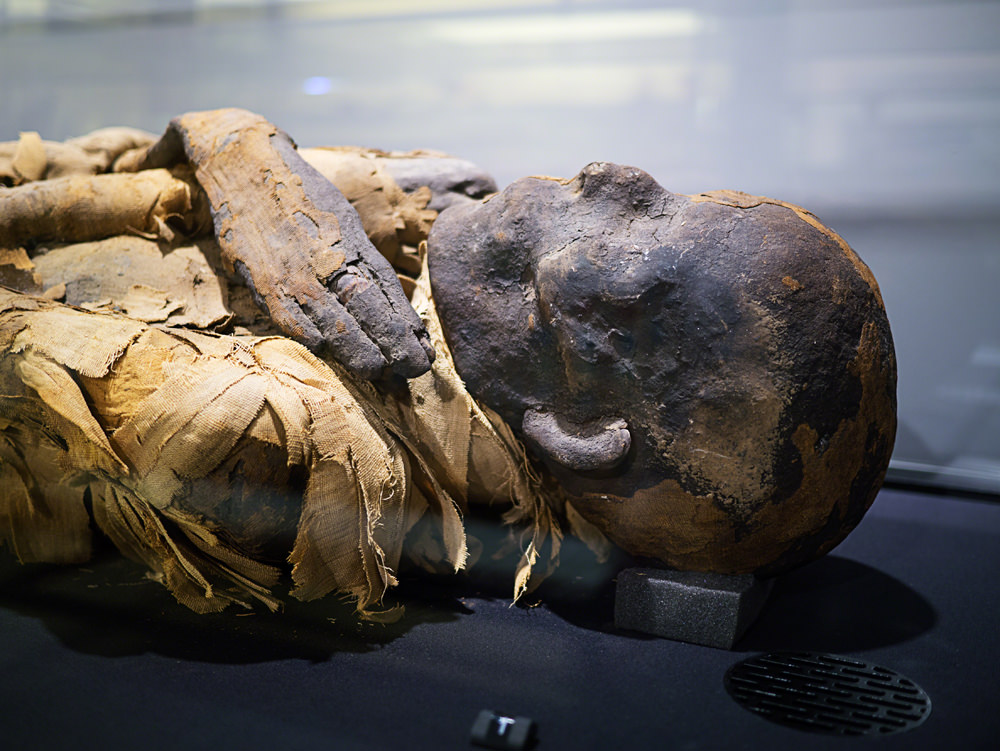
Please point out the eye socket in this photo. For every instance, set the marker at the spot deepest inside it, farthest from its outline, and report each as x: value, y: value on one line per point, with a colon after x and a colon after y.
x: 623, y: 342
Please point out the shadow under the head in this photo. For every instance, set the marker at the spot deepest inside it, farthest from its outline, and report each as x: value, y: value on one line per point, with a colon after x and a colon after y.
x: 836, y: 604
x: 833, y: 604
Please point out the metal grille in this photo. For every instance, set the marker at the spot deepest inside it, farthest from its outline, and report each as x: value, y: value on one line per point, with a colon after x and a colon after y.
x: 828, y: 694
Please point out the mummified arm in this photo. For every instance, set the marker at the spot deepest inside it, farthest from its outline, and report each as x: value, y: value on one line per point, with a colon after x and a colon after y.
x: 297, y: 243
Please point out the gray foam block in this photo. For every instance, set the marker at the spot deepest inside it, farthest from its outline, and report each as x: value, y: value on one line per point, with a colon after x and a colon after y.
x: 713, y: 610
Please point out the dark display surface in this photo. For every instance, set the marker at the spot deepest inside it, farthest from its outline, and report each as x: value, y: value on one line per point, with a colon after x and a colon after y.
x: 98, y: 655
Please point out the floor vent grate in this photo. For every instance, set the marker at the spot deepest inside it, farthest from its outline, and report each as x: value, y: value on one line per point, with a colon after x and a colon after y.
x: 828, y: 694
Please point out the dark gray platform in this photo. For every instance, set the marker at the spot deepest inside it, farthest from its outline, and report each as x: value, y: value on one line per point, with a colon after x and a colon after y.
x: 713, y: 610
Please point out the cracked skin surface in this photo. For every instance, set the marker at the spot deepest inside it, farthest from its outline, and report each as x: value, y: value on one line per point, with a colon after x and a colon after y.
x: 745, y: 346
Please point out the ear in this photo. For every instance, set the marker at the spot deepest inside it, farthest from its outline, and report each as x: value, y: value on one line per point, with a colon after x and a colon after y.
x: 599, y: 445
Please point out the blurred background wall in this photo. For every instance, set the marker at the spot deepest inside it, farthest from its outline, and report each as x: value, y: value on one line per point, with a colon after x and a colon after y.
x: 881, y: 117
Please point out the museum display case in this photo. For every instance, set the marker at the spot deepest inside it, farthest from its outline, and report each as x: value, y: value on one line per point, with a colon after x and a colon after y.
x: 428, y: 622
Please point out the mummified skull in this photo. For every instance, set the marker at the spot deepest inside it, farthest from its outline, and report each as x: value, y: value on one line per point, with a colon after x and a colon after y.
x: 711, y: 378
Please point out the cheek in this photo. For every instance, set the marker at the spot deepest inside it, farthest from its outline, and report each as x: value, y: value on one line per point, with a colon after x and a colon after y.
x: 683, y: 530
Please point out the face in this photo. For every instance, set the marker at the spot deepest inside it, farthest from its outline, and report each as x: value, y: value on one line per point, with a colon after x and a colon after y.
x: 657, y: 352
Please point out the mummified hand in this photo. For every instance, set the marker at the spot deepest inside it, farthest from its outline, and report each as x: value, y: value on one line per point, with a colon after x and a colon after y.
x: 297, y: 243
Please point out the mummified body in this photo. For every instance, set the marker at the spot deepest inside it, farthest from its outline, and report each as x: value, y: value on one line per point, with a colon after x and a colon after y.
x: 215, y: 459
x: 707, y: 381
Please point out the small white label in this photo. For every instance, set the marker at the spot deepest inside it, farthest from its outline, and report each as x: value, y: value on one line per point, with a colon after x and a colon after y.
x: 503, y: 723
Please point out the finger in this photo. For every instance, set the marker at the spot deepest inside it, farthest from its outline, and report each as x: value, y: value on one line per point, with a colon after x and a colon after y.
x: 397, y: 333
x: 320, y: 322
x: 343, y: 338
